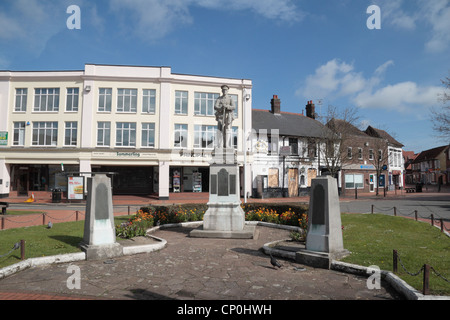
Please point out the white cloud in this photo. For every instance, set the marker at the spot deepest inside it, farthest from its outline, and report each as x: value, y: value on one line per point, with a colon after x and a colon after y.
x: 401, y: 96
x: 437, y: 14
x: 154, y: 19
x: 333, y: 78
x: 336, y: 79
x: 28, y: 25
x: 151, y: 19
x: 272, y: 9
x: 382, y: 69
x: 392, y: 13
x: 432, y: 16
x: 95, y: 19
x: 32, y: 20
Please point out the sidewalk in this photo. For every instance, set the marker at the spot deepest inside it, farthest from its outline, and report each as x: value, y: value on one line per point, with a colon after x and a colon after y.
x: 128, y: 204
x: 202, y: 197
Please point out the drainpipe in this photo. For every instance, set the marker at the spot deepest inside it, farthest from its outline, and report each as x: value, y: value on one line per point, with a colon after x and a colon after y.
x: 244, y: 145
x: 284, y: 172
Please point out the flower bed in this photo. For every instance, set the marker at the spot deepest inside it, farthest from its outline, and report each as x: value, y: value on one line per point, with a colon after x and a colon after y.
x: 147, y: 217
x: 279, y: 214
x: 136, y: 226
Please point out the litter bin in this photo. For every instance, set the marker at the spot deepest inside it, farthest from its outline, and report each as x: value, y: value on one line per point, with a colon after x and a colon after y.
x: 418, y: 187
x: 56, y: 195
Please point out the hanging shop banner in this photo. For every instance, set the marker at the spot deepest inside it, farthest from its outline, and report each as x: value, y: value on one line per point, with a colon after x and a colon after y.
x: 3, y: 138
x: 197, y: 182
x: 75, y: 188
x: 176, y: 181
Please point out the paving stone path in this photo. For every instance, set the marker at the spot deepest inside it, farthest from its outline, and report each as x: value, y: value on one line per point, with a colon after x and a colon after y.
x: 200, y: 269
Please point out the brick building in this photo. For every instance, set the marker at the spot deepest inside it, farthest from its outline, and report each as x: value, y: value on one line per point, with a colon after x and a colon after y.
x: 369, y: 159
x: 432, y: 166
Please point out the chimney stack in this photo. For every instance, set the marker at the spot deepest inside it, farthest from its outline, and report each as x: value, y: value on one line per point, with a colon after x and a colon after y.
x: 311, y: 110
x: 276, y: 105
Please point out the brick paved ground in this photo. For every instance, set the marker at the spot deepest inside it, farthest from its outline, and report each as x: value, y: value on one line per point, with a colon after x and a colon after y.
x: 200, y: 269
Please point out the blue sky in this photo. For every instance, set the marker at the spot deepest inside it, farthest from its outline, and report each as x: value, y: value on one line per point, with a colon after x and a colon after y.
x: 299, y: 50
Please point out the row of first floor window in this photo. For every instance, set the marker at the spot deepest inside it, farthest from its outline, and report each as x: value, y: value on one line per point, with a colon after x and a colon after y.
x: 394, y: 156
x: 46, y: 134
x: 441, y: 177
x: 360, y: 156
x: 48, y: 100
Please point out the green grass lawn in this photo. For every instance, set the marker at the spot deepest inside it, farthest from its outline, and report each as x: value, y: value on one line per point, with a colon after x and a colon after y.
x: 61, y: 239
x: 22, y: 212
x: 372, y: 238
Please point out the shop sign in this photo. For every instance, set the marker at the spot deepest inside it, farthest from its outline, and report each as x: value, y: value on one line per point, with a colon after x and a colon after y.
x: 3, y: 138
x: 358, y: 167
x: 285, y: 151
x: 195, y: 153
x: 124, y: 155
x: 367, y: 167
x: 128, y: 154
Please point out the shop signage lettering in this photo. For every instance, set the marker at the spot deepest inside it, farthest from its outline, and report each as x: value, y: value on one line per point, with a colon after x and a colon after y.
x: 194, y: 154
x: 128, y: 154
x: 123, y: 154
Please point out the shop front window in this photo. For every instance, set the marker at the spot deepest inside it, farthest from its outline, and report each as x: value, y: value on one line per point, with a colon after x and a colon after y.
x: 353, y: 181
x: 29, y: 178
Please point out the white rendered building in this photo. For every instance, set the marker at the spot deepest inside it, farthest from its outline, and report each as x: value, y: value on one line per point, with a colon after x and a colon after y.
x: 288, y: 151
x: 155, y: 129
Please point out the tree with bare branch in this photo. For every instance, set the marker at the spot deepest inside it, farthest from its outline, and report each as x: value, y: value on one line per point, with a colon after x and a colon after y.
x: 379, y: 157
x: 334, y: 142
x: 441, y: 117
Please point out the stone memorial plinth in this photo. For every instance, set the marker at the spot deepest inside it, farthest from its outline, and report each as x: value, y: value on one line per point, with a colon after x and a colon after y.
x: 99, y: 240
x: 324, y: 240
x: 224, y: 217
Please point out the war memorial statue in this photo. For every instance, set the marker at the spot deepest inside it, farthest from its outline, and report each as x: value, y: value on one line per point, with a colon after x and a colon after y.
x: 224, y: 217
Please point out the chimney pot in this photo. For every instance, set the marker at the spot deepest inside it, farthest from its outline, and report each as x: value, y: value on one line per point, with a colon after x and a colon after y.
x: 276, y: 105
x: 311, y: 110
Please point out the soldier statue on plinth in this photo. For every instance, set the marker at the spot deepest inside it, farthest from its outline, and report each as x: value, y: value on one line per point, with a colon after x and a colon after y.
x: 224, y: 217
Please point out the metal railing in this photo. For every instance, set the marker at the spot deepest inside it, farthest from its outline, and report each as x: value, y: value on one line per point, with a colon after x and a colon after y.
x: 18, y: 245
x: 434, y: 218
x: 426, y: 268
x: 45, y: 218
